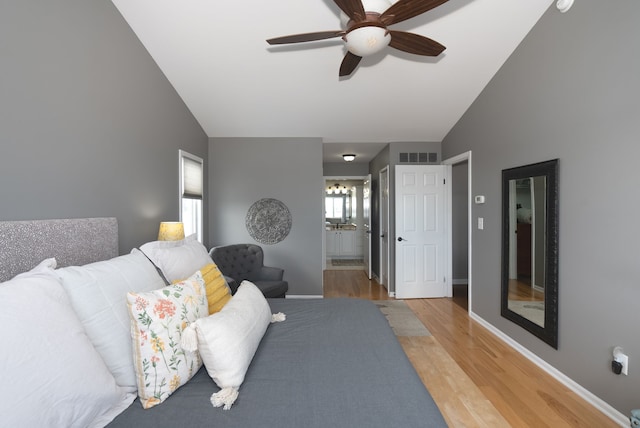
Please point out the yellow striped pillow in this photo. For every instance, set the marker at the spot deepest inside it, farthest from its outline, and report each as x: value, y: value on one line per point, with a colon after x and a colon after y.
x: 218, y: 291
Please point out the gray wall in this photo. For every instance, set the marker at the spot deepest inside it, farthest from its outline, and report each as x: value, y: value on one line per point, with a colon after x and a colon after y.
x: 570, y: 91
x: 245, y: 170
x: 345, y: 169
x: 89, y: 126
x: 378, y: 163
x: 459, y: 222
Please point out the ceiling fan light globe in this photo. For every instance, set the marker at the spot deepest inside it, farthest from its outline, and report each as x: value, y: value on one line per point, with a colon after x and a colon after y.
x: 367, y: 40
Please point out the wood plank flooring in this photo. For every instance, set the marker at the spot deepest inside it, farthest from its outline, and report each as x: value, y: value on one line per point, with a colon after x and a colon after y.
x: 476, y: 379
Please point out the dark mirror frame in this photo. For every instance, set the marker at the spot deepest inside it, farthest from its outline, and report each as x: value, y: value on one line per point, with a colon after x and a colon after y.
x: 548, y: 169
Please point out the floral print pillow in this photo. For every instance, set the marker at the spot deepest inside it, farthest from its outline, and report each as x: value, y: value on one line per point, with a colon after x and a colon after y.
x: 157, y: 320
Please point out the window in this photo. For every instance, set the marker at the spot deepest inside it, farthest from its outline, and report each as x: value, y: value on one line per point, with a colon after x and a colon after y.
x: 191, y: 193
x: 334, y: 207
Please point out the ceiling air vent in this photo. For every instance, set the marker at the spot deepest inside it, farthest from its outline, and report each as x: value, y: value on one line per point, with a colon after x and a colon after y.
x: 422, y: 157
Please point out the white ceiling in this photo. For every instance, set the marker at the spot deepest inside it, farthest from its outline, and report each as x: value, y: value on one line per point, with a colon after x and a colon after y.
x: 215, y: 54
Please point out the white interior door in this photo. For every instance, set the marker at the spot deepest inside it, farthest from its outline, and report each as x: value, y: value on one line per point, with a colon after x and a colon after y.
x: 421, y: 238
x: 366, y: 214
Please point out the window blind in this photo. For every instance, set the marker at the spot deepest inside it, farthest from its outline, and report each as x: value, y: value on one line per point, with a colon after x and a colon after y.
x: 191, y: 178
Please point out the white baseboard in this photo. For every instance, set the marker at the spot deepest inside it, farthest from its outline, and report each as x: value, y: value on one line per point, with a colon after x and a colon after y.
x: 303, y: 296
x: 589, y: 397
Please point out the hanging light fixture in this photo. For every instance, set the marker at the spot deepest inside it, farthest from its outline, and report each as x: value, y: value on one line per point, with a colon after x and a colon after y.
x: 349, y: 157
x: 337, y: 189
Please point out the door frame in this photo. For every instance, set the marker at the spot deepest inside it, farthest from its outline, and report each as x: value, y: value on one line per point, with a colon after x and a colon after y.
x: 367, y: 237
x: 324, y: 187
x: 384, y: 267
x: 454, y: 160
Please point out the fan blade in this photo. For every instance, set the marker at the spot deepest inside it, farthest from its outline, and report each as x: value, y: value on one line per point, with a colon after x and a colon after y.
x: 415, y: 44
x: 405, y: 9
x: 353, y: 8
x: 306, y: 37
x: 349, y: 63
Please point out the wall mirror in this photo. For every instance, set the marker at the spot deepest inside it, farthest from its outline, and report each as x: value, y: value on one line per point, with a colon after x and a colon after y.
x: 530, y: 248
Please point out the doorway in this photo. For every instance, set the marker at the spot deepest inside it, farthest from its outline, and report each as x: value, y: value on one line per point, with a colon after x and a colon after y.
x: 344, y: 239
x: 461, y: 229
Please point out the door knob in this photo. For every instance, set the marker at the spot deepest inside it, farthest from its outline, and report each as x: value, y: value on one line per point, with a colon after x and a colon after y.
x: 400, y: 239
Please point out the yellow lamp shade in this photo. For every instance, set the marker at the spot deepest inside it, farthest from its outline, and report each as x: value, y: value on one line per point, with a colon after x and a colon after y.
x: 171, y: 231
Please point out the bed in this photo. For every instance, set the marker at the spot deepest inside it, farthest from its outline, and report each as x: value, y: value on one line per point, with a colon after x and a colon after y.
x: 331, y: 363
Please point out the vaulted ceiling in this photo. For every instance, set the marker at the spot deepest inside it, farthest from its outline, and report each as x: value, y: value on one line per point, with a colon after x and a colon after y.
x: 215, y: 55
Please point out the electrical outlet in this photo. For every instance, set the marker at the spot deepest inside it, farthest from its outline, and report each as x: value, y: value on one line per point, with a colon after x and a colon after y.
x: 624, y: 360
x: 621, y: 358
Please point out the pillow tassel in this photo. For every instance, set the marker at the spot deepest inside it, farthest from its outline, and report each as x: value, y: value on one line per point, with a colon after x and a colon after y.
x: 279, y: 317
x: 225, y: 397
x: 189, y: 340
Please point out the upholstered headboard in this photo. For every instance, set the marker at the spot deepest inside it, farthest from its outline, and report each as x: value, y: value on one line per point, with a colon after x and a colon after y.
x: 24, y: 244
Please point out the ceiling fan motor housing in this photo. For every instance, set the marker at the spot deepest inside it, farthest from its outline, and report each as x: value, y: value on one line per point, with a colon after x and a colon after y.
x: 377, y: 6
x: 374, y: 6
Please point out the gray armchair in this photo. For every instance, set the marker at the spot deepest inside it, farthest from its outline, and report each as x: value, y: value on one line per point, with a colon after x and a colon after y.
x: 245, y: 261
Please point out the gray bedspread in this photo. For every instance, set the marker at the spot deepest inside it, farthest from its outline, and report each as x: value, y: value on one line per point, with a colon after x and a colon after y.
x: 332, y: 363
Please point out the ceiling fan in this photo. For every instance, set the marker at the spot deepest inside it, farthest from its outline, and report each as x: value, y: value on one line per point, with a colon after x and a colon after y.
x: 366, y: 30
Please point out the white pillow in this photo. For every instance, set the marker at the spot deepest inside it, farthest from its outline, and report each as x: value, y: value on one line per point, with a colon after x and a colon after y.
x: 51, y: 373
x: 227, y: 340
x: 157, y: 320
x: 98, y: 293
x: 177, y: 259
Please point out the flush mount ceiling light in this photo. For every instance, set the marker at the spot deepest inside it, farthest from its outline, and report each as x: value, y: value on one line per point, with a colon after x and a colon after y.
x: 349, y: 157
x: 564, y: 5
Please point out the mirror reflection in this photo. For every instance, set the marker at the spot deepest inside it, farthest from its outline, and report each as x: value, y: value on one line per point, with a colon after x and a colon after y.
x: 530, y: 248
x: 527, y: 247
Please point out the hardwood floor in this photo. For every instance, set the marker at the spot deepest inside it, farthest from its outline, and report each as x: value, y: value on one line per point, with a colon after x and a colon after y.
x: 352, y: 283
x: 522, y: 291
x: 476, y: 379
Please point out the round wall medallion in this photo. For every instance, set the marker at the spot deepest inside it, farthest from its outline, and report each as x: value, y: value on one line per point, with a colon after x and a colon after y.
x: 268, y: 221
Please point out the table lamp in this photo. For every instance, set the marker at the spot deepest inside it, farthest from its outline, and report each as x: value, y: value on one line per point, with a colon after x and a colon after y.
x: 171, y: 231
